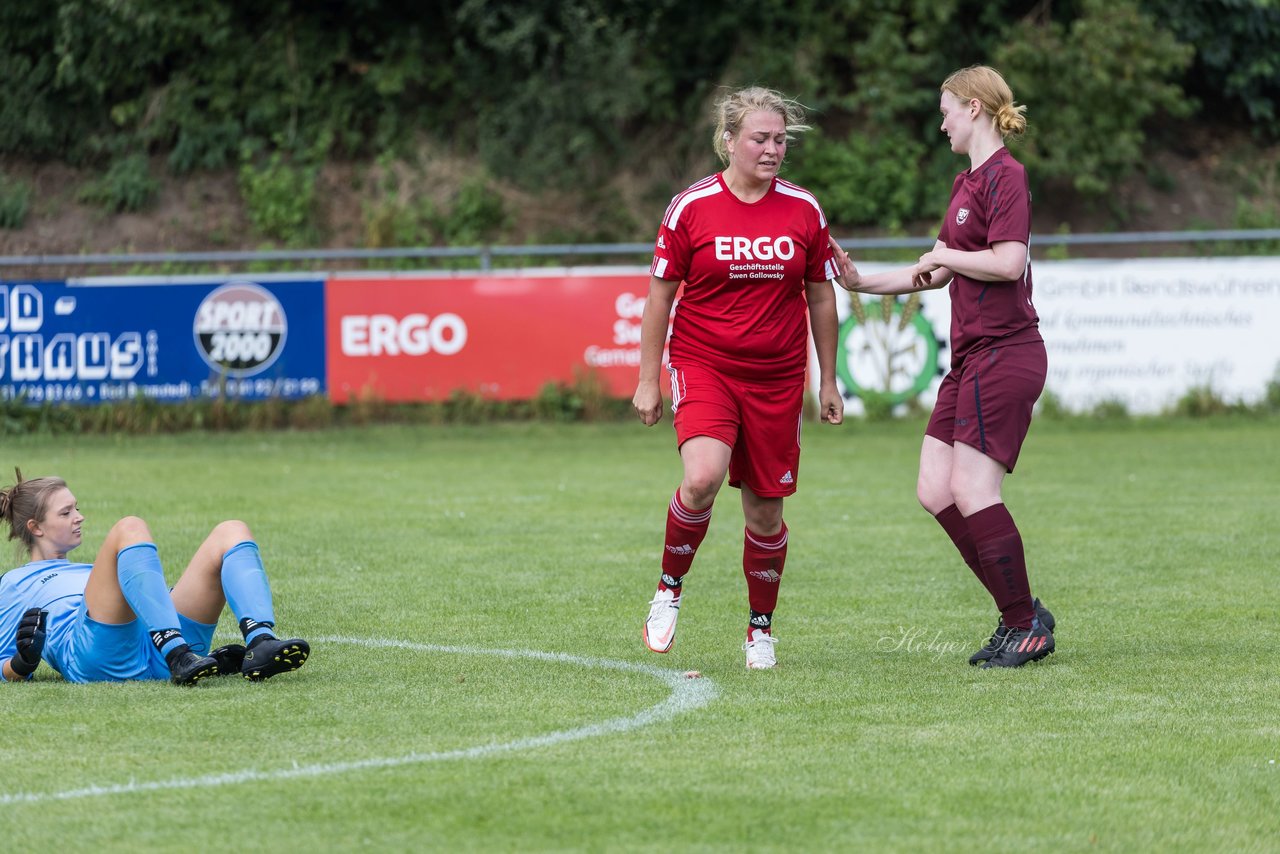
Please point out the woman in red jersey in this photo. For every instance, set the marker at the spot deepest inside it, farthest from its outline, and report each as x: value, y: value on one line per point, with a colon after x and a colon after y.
x: 998, y: 360
x: 754, y: 255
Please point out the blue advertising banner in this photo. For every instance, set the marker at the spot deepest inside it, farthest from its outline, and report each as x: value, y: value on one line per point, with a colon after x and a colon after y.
x: 167, y: 339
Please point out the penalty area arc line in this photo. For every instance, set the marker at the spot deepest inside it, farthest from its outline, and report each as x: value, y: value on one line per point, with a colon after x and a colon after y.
x: 686, y: 695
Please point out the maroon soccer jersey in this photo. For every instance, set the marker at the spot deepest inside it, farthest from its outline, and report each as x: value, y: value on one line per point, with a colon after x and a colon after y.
x: 744, y: 267
x: 990, y: 204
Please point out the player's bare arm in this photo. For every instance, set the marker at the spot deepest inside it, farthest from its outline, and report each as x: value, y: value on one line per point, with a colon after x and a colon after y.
x: 1003, y: 262
x: 903, y: 280
x: 653, y: 337
x: 825, y: 326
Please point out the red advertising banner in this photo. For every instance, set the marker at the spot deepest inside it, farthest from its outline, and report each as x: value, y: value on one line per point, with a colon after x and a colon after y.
x: 420, y: 338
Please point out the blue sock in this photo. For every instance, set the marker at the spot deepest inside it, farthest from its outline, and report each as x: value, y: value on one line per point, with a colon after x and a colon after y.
x: 142, y: 582
x: 244, y: 582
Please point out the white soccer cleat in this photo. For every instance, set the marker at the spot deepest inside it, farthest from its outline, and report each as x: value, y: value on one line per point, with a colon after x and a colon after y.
x: 660, y: 627
x: 759, y: 649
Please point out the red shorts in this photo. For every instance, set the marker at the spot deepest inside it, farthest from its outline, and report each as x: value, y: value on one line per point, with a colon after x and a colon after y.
x: 986, y: 403
x: 759, y: 421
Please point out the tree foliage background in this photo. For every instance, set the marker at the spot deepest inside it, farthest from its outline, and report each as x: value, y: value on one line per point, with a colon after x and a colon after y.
x: 564, y: 93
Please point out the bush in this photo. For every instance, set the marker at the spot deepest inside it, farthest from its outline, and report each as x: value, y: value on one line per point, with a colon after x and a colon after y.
x: 580, y: 73
x: 1236, y: 61
x: 1050, y: 406
x: 1203, y: 401
x: 15, y: 201
x: 1262, y: 212
x: 392, y: 223
x: 877, y: 407
x: 871, y: 179
x: 280, y: 196
x: 1271, y: 400
x: 476, y: 216
x: 127, y: 185
x: 585, y: 399
x: 1110, y: 410
x: 1091, y: 85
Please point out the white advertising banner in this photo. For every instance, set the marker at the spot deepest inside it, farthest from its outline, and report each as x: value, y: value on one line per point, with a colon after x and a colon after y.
x: 1141, y: 332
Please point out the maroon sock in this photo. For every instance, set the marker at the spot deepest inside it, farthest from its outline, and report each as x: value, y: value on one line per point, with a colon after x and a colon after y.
x: 999, y: 547
x: 957, y: 529
x: 685, y: 531
x: 762, y: 561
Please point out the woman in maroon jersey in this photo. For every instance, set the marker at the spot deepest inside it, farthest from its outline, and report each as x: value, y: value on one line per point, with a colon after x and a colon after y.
x: 998, y: 360
x: 754, y: 255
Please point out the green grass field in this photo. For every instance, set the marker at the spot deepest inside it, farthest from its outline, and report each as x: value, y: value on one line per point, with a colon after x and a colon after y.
x: 475, y: 597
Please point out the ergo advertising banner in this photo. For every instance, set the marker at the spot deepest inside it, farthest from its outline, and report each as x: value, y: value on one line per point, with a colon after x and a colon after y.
x: 409, y: 339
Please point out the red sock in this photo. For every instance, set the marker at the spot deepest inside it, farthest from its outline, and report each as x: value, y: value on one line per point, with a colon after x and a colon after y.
x: 958, y: 530
x: 762, y: 561
x: 999, y: 548
x: 685, y: 531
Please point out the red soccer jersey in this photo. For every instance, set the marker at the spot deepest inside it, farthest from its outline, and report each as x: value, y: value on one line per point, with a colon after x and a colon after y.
x: 744, y: 267
x: 990, y: 204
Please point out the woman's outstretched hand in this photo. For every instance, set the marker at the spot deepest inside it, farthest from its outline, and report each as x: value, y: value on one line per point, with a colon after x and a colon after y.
x: 849, y: 277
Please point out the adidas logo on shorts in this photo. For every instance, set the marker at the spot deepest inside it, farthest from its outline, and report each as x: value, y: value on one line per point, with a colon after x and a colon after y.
x: 787, y: 478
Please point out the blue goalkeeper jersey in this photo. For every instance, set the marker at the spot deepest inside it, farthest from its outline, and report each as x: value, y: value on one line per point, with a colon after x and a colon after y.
x: 56, y: 586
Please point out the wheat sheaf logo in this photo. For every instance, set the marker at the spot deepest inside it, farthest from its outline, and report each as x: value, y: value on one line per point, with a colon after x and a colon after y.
x: 888, y: 352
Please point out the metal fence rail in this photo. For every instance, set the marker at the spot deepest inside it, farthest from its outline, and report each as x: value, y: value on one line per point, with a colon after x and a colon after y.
x: 485, y: 255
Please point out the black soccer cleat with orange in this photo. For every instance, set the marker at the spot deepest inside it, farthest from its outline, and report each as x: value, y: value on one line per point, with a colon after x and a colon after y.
x: 268, y: 656
x: 996, y: 640
x: 1021, y: 646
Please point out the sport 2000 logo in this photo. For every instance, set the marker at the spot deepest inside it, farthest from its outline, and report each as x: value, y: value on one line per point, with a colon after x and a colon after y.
x: 888, y: 351
x: 240, y: 329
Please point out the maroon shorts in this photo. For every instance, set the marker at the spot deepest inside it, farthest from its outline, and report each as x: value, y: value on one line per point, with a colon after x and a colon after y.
x: 986, y: 403
x: 759, y: 421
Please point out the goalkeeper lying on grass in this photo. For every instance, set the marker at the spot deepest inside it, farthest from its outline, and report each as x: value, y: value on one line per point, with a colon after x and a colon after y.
x: 116, y: 619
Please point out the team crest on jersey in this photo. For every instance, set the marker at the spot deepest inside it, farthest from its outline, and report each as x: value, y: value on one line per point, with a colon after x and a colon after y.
x: 961, y: 216
x: 662, y: 244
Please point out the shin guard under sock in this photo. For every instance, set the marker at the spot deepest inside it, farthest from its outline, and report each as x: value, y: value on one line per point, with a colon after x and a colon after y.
x: 999, y: 546
x: 142, y: 583
x: 686, y: 530
x: 244, y: 582
x: 957, y: 528
x: 763, y: 559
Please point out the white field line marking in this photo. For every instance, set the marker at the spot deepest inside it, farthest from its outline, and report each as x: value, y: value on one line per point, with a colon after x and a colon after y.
x: 686, y: 695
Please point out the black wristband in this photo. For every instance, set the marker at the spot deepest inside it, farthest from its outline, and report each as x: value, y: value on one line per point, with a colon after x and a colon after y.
x: 21, y: 668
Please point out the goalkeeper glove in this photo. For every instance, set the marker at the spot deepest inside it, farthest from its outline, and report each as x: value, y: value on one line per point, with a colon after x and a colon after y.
x: 30, y: 643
